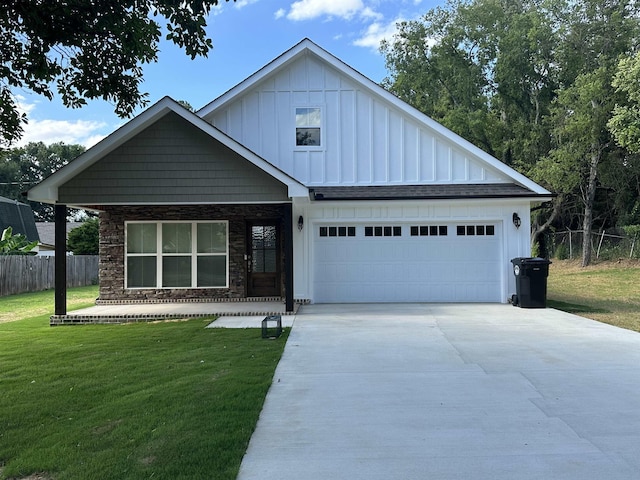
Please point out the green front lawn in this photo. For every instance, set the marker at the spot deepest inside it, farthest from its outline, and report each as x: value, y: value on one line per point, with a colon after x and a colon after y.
x: 164, y: 400
x: 608, y: 292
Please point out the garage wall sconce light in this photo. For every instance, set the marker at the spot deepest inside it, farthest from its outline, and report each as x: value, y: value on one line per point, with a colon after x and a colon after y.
x: 300, y: 223
x: 516, y: 220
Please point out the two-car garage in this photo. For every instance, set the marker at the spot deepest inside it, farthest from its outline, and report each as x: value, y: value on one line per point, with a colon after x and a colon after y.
x: 407, y: 262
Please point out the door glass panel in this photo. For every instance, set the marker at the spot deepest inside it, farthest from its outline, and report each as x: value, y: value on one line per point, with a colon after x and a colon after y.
x: 264, y: 248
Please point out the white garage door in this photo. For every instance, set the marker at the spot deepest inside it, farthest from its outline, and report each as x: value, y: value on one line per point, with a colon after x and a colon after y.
x: 415, y: 262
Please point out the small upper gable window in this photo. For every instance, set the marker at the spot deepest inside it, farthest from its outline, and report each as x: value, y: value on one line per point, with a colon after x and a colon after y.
x: 308, y: 125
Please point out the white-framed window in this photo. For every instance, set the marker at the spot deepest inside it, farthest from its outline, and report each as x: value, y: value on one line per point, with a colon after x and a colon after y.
x: 308, y: 127
x: 177, y: 254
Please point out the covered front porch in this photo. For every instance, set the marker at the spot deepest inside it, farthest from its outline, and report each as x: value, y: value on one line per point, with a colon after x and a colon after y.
x: 239, y: 314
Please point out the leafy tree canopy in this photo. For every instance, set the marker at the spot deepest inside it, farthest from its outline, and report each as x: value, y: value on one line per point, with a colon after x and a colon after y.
x: 89, y: 49
x: 625, y: 121
x: 85, y: 239
x: 21, y: 168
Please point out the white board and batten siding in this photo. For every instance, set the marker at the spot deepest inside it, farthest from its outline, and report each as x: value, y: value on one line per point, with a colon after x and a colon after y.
x: 366, y: 140
x: 370, y: 138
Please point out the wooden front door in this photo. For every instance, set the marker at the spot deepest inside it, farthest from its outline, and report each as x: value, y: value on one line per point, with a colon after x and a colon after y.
x: 263, y: 259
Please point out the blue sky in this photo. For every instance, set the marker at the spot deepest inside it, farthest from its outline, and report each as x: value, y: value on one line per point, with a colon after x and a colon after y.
x: 246, y: 35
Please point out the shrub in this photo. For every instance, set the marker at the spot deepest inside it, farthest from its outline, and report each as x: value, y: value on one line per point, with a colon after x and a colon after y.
x: 85, y: 239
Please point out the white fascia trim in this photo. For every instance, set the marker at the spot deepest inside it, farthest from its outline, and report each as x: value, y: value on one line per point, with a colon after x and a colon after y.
x: 307, y: 45
x: 256, y: 77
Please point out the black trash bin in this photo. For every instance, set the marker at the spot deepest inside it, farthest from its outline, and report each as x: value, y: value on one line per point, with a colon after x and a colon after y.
x: 531, y: 282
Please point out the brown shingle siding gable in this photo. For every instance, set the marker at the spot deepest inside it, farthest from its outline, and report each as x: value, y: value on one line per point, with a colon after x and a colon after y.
x: 172, y: 162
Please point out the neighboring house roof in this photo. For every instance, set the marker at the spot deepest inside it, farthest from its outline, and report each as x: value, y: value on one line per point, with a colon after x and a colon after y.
x: 19, y: 217
x: 48, y: 190
x: 423, y: 192
x: 307, y: 47
x: 47, y: 231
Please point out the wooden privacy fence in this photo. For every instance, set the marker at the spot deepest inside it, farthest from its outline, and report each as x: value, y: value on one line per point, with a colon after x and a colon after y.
x: 26, y: 273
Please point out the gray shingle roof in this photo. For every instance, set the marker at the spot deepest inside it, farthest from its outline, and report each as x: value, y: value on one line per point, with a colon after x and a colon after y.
x: 19, y: 217
x: 422, y: 192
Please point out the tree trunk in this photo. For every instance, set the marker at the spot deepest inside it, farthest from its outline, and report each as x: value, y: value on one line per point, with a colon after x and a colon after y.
x: 540, y: 229
x: 589, y: 197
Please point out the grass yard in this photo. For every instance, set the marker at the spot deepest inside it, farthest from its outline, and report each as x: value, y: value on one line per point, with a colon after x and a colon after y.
x: 608, y: 292
x: 167, y: 400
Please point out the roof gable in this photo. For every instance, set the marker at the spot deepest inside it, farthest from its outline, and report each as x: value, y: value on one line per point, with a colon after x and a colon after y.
x: 48, y: 191
x: 172, y: 162
x: 373, y: 137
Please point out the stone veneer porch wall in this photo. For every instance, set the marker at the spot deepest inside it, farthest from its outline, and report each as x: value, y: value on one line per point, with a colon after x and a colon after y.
x: 111, y: 265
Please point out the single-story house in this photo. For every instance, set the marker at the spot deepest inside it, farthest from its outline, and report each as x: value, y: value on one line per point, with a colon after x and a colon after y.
x: 47, y: 233
x: 307, y: 181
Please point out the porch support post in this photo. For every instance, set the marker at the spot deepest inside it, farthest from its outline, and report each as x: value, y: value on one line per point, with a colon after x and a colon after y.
x: 60, y: 212
x: 288, y: 257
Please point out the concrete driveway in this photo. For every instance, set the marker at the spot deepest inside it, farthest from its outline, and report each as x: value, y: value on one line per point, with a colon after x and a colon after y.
x: 450, y: 392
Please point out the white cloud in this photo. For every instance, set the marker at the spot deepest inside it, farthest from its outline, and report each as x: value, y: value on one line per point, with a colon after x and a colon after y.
x: 83, y: 132
x: 310, y: 9
x: 376, y: 32
x: 280, y: 13
x: 243, y: 3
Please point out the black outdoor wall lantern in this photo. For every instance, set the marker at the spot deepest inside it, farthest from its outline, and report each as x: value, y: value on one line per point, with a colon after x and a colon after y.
x: 300, y: 223
x: 516, y: 220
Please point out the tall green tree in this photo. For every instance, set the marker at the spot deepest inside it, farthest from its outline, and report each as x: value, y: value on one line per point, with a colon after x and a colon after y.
x: 529, y: 81
x: 23, y: 167
x: 624, y: 125
x: 85, y: 239
x: 89, y: 49
x: 593, y: 37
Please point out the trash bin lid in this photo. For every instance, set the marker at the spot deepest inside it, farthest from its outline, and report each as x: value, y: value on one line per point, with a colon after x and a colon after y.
x: 530, y: 261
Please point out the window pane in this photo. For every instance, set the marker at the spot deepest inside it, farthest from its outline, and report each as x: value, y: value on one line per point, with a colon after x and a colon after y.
x: 307, y: 136
x: 176, y: 238
x: 308, y: 117
x: 141, y: 237
x: 212, y: 271
x: 141, y: 272
x: 176, y: 272
x: 212, y: 238
x: 442, y: 230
